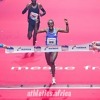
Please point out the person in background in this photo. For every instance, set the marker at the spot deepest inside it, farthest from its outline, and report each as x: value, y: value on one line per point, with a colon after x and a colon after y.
x: 96, y: 45
x: 34, y: 14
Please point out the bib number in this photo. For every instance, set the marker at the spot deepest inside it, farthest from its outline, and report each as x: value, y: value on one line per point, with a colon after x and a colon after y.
x: 33, y: 16
x: 51, y: 41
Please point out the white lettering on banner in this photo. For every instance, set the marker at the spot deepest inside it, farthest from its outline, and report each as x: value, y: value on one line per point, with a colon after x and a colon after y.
x: 46, y: 68
x: 87, y: 67
x: 67, y: 68
x: 43, y: 93
x: 19, y: 68
x: 93, y: 67
x: 70, y: 68
x: 35, y: 68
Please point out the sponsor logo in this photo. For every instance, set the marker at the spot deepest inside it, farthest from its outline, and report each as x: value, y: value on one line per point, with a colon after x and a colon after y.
x: 64, y: 48
x: 79, y: 47
x: 51, y: 47
x: 24, y: 49
x: 10, y: 49
x: 38, y: 48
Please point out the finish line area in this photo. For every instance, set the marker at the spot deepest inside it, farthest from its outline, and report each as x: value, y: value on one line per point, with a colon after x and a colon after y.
x: 63, y: 48
x: 30, y: 78
x: 77, y: 65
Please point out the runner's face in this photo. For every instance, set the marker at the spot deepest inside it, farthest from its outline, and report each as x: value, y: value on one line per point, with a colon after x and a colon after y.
x: 33, y: 1
x: 50, y: 25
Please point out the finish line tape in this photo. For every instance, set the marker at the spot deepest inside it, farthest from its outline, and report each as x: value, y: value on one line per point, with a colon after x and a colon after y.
x: 63, y: 48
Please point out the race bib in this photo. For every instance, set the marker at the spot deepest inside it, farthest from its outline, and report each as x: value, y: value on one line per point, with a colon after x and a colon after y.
x: 51, y: 41
x: 33, y: 16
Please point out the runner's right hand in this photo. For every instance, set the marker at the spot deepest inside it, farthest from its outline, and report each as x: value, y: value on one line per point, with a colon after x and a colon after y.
x: 28, y: 5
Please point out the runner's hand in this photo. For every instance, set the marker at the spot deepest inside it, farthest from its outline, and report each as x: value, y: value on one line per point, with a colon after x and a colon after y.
x: 66, y: 21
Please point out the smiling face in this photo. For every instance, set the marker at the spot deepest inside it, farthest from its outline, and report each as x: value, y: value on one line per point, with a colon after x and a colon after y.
x: 51, y: 24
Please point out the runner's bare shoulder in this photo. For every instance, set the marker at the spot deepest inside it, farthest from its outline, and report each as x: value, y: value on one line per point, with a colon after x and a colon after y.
x: 28, y: 5
x: 40, y: 6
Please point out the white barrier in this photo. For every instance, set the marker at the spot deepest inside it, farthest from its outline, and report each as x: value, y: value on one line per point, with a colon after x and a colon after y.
x: 63, y: 48
x: 49, y: 86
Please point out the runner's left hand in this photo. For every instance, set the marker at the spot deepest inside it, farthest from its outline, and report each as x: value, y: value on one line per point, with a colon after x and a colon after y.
x: 66, y: 21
